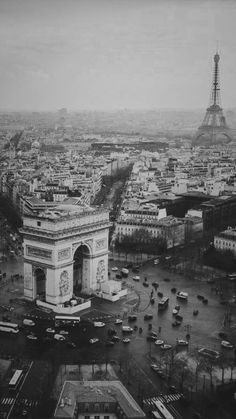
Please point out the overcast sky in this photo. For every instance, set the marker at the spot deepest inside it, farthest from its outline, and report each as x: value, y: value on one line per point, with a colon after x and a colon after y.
x: 112, y: 54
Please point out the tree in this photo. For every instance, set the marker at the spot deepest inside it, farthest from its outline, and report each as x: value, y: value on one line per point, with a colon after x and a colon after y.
x: 141, y: 241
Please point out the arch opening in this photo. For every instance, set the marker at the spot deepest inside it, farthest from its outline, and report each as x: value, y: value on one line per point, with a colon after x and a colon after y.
x: 81, y: 252
x: 40, y: 282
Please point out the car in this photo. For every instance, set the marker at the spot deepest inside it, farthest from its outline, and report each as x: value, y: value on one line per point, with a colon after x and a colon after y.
x: 118, y: 321
x: 59, y: 337
x: 145, y: 284
x: 115, y: 338
x: 166, y: 279
x: 50, y: 330
x: 28, y: 322
x: 136, y: 278
x: 64, y: 332
x: 154, y: 367
x: 166, y: 346
x: 153, y: 334
x: 99, y: 324
x: 127, y: 329
x: 181, y: 342
x: 176, y: 323
x: 151, y: 338
x: 114, y: 269
x: 32, y: 337
x: 93, y: 340
x: 126, y: 340
x: 209, y: 353
x: 179, y: 318
x: 226, y: 344
x: 159, y: 342
x: 155, y: 284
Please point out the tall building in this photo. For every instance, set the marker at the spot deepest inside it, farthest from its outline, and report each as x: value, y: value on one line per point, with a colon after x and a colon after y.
x: 96, y: 400
x: 214, y: 129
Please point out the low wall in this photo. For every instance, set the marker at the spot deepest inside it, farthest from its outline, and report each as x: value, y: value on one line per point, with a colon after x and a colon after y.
x: 65, y: 310
x: 112, y: 298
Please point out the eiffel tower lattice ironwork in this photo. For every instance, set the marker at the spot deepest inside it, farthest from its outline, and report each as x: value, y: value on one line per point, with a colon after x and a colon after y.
x: 214, y: 129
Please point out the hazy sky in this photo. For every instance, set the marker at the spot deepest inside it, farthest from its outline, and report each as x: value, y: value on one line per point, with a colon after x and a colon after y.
x: 110, y: 54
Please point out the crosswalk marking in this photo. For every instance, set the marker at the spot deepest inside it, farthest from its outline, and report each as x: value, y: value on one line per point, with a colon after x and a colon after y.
x: 165, y: 399
x: 9, y: 400
x: 168, y: 398
x: 6, y: 400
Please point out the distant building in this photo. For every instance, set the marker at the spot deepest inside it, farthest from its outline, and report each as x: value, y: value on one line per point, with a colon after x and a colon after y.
x: 170, y: 229
x: 96, y: 400
x: 226, y: 240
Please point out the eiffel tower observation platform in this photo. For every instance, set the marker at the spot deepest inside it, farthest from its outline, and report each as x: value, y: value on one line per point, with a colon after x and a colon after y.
x: 214, y: 129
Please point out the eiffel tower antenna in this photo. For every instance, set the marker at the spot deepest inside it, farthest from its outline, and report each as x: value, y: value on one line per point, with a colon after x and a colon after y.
x: 214, y: 129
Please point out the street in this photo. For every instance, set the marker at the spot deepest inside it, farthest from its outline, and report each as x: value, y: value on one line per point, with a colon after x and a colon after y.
x: 132, y: 361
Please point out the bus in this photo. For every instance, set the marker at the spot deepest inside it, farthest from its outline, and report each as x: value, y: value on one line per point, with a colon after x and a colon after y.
x: 15, y: 379
x: 9, y: 327
x: 163, y: 411
x: 66, y: 321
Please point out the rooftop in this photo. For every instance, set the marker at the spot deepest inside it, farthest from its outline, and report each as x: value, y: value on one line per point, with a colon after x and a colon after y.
x: 230, y: 233
x: 74, y: 392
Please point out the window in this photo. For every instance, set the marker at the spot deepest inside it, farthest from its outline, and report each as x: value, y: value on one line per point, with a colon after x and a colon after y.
x: 38, y: 223
x: 87, y: 417
x: 96, y: 417
x: 106, y: 417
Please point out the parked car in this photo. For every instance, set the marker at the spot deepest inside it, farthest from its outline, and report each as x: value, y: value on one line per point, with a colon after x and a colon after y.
x: 115, y: 338
x: 32, y: 337
x: 59, y: 337
x: 99, y: 324
x: 118, y: 321
x: 93, y: 340
x: 28, y: 322
x: 50, y: 330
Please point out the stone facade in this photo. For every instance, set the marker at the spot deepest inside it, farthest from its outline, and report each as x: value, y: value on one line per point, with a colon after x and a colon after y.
x: 50, y: 242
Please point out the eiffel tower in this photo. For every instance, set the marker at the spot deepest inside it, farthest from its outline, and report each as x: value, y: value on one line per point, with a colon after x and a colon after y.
x: 214, y: 129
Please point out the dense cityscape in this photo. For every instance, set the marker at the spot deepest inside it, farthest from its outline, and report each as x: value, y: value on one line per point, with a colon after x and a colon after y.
x: 117, y: 226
